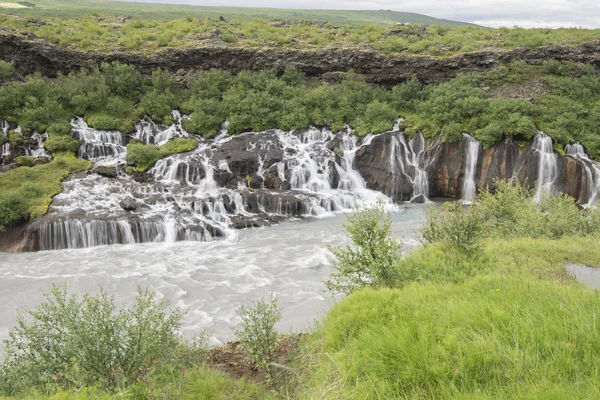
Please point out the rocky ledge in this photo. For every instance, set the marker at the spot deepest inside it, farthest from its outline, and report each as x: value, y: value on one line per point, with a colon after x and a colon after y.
x: 30, y: 54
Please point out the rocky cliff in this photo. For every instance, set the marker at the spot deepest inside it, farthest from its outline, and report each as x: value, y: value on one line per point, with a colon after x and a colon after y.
x: 30, y: 54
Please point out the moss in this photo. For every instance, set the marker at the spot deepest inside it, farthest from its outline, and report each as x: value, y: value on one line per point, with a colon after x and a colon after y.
x: 27, y: 192
x: 144, y: 155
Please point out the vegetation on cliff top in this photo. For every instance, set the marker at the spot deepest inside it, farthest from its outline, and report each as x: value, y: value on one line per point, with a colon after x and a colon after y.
x: 92, y: 33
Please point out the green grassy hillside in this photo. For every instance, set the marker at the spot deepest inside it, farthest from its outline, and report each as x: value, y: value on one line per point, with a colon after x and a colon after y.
x: 76, y: 8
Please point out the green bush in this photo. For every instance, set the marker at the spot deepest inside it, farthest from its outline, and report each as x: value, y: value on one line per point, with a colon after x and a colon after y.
x: 25, y: 161
x: 258, y: 336
x: 7, y: 71
x: 372, y: 257
x: 509, y: 211
x: 144, y: 155
x: 61, y: 143
x: 73, y: 343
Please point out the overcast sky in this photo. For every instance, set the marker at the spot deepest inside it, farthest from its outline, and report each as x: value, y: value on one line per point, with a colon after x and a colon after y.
x: 525, y: 13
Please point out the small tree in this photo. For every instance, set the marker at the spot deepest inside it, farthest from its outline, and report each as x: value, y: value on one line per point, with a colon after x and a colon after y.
x: 73, y: 343
x: 373, y: 255
x: 258, y: 336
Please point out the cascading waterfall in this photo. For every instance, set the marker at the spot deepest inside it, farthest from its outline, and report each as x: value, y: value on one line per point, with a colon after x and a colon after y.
x: 472, y: 155
x: 39, y: 151
x: 547, y: 165
x: 189, y: 199
x: 411, y: 158
x: 150, y: 132
x: 592, y: 172
x: 102, y: 147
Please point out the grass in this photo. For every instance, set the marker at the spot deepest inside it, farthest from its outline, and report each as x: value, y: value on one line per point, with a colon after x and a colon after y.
x: 109, y: 34
x: 201, y: 382
x: 518, y: 328
x: 154, y: 10
x: 143, y: 156
x: 26, y: 192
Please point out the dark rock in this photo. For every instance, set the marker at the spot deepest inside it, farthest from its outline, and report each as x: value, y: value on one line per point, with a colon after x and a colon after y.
x: 108, y: 171
x: 35, y: 55
x: 420, y: 199
x: 128, y: 204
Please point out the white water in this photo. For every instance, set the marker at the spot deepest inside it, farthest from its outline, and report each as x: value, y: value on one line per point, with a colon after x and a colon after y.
x: 209, y: 280
x: 469, y: 190
x: 592, y: 172
x: 150, y: 132
x: 411, y: 158
x: 187, y: 203
x: 547, y: 165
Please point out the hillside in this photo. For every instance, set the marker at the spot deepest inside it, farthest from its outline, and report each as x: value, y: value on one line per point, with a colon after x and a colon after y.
x: 156, y: 10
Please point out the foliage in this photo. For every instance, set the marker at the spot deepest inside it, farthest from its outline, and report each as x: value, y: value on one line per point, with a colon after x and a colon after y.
x: 26, y: 192
x: 7, y: 71
x: 302, y: 30
x: 258, y: 336
x: 61, y: 143
x: 509, y: 211
x: 25, y: 161
x: 73, y: 343
x: 144, y: 155
x: 373, y: 255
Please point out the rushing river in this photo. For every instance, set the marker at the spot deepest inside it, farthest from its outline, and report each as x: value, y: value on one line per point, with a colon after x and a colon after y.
x: 207, y: 279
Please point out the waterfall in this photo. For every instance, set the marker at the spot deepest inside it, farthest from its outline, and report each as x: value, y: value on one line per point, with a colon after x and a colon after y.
x: 592, y: 172
x: 149, y: 132
x: 104, y: 147
x: 39, y: 151
x: 411, y: 158
x: 6, y: 149
x: 196, y: 196
x: 547, y: 165
x: 469, y: 190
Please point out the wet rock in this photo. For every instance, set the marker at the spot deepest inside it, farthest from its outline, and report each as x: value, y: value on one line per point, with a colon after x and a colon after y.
x: 75, y: 176
x: 108, y: 171
x: 128, y: 204
x: 420, y: 199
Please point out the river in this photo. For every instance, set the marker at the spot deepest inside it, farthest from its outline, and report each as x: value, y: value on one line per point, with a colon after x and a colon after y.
x: 208, y: 280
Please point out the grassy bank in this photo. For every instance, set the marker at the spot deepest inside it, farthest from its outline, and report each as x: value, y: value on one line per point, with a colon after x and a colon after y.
x: 519, y: 328
x: 94, y: 33
x: 143, y: 156
x: 26, y: 192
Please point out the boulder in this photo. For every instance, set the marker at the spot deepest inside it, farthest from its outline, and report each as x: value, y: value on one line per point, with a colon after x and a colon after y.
x: 128, y: 204
x: 108, y: 171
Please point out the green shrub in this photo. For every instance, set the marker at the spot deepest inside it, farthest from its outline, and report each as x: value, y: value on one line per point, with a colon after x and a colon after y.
x: 144, y: 155
x: 509, y: 211
x: 25, y: 161
x: 373, y: 255
x: 7, y: 71
x: 73, y: 343
x: 258, y: 336
x: 61, y: 143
